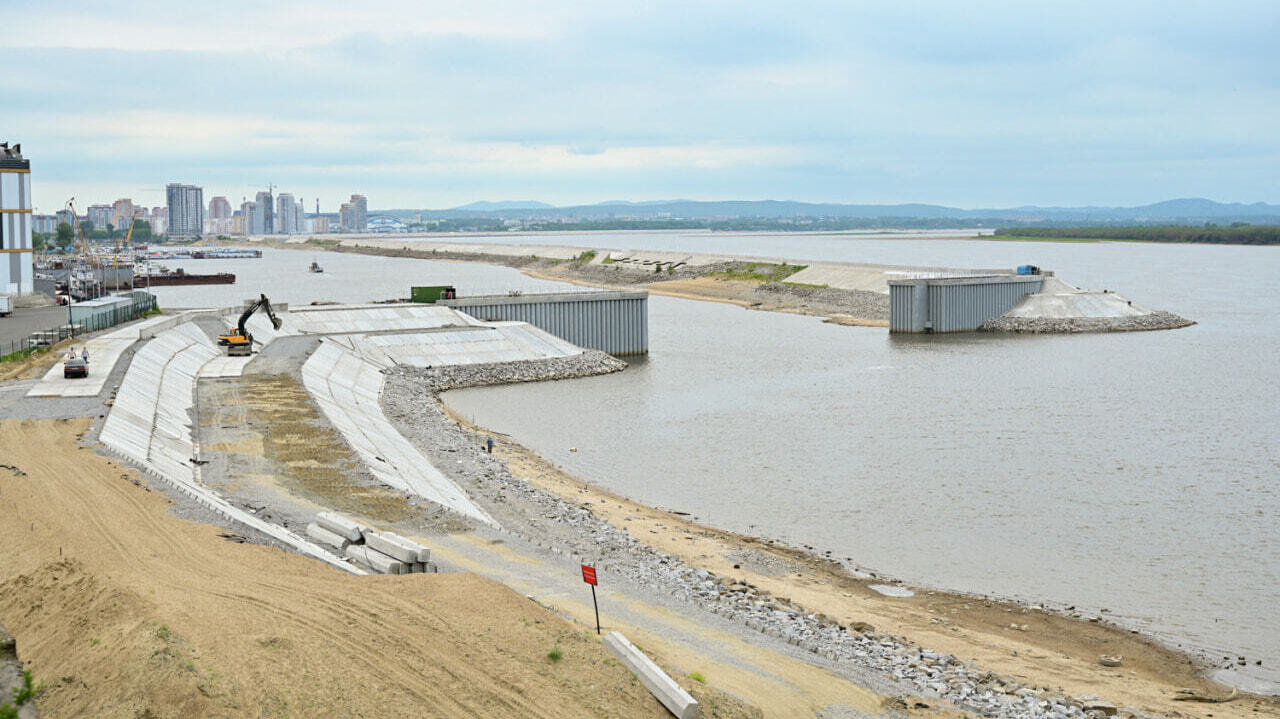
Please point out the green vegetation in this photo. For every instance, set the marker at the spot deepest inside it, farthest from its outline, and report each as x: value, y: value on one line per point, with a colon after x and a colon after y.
x: 163, y: 632
x: 1237, y: 234
x: 23, y: 694
x: 698, y: 677
x: 759, y: 271
x: 1028, y: 238
x: 807, y: 285
x: 20, y: 355
x: 322, y: 243
x: 608, y: 260
x: 65, y: 234
x: 555, y: 655
x: 585, y: 258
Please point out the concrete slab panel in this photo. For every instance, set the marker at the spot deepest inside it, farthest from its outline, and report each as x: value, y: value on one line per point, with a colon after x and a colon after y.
x: 225, y: 366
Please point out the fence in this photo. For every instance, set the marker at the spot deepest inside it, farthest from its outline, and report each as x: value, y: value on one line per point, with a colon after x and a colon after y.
x: 41, y: 340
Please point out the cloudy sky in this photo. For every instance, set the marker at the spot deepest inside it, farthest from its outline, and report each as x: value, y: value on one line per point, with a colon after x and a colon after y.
x: 438, y: 103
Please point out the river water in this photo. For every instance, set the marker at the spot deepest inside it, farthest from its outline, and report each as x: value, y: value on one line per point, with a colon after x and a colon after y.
x: 1133, y: 472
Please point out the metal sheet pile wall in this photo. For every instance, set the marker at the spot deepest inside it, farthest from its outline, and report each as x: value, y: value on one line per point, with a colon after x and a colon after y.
x: 951, y: 305
x: 613, y: 322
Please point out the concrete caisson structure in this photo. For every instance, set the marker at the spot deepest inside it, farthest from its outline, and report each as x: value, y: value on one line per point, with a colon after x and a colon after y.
x: 17, y: 258
x: 613, y: 322
x: 954, y: 303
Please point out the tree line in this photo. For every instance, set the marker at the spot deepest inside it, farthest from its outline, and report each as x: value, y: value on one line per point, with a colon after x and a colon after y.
x: 1237, y: 234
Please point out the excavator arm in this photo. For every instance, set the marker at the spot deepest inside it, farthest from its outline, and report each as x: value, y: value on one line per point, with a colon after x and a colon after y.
x: 240, y: 341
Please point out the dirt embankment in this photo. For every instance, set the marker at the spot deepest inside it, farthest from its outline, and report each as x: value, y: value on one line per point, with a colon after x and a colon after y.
x: 721, y: 282
x: 1034, y: 648
x: 122, y: 610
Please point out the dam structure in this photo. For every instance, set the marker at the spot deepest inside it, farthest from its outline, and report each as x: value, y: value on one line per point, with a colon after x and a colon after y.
x: 955, y: 303
x: 1022, y: 303
x: 616, y: 322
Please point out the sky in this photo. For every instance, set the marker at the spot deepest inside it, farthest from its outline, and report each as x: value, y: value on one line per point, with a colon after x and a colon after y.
x: 433, y: 104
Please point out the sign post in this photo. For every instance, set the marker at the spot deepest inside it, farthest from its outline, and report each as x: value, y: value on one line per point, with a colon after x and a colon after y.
x: 589, y: 576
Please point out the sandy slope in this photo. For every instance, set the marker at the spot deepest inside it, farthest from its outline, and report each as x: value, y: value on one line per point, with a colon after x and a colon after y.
x: 125, y: 611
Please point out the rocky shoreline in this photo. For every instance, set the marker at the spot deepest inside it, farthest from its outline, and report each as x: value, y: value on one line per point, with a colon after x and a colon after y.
x: 411, y: 399
x: 1158, y: 320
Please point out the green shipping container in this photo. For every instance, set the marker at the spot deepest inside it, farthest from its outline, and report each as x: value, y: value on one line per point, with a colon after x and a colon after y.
x: 432, y: 294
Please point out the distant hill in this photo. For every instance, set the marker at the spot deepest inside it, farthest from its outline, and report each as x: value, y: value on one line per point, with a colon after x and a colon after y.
x: 500, y: 206
x: 1182, y: 211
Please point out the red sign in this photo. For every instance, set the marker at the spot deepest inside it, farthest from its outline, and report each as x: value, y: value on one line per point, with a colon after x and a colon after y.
x: 589, y: 575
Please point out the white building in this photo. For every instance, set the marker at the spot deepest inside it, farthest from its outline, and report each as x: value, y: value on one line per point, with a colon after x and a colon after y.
x: 17, y: 260
x: 186, y: 210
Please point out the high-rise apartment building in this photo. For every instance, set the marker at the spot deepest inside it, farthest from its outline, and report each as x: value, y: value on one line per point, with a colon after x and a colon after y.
x: 17, y: 260
x: 354, y: 215
x: 254, y: 219
x: 266, y: 206
x: 44, y: 224
x: 99, y: 215
x: 219, y: 220
x: 186, y: 210
x: 286, y: 220
x: 219, y: 208
x: 121, y: 213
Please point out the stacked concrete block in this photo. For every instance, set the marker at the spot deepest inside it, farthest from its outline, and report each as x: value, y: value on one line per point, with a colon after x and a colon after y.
x: 326, y: 537
x: 383, y: 552
x: 406, y: 550
x: 351, y: 530
x: 374, y: 559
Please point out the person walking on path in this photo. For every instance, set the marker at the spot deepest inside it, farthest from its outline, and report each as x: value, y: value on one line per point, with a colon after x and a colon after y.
x: 85, y: 355
x: 489, y: 444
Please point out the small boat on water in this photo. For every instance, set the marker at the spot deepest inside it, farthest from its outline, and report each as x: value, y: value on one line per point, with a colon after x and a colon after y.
x: 315, y: 267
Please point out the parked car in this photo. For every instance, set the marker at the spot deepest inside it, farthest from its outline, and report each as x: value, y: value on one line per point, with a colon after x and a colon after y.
x: 6, y: 305
x: 75, y: 367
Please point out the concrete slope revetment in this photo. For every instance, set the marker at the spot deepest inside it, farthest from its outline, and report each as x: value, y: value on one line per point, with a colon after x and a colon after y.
x: 347, y: 388
x: 150, y: 424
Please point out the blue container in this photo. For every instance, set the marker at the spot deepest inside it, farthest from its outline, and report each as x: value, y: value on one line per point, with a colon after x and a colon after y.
x: 1028, y: 270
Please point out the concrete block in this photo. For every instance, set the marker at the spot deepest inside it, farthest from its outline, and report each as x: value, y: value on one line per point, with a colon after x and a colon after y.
x: 423, y: 554
x: 375, y: 560
x: 663, y: 687
x: 382, y: 543
x: 324, y: 536
x: 340, y: 525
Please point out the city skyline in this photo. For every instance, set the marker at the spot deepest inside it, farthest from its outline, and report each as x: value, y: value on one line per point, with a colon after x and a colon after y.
x: 434, y: 106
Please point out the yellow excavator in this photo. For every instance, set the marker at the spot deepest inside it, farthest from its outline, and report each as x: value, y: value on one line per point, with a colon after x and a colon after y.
x: 238, y: 341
